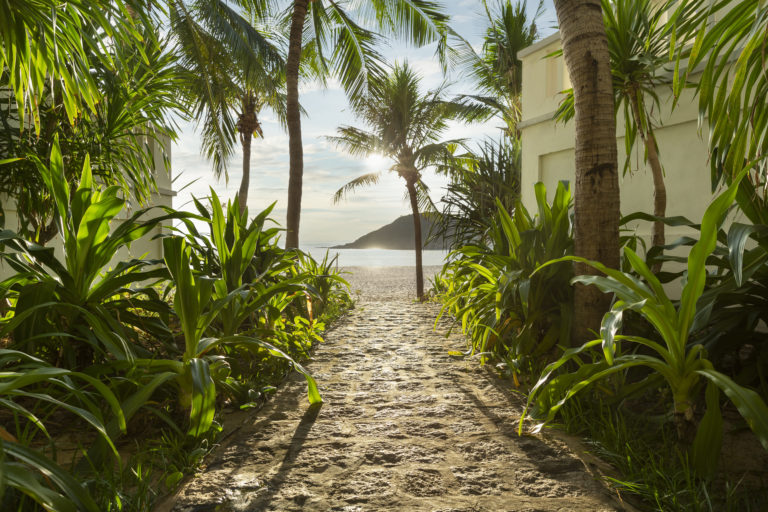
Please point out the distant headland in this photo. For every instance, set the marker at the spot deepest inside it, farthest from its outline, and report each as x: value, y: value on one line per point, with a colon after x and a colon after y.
x: 396, y: 236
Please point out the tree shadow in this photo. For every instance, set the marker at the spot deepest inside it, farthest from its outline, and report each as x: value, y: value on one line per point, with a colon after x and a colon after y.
x: 297, y: 442
x: 539, y: 453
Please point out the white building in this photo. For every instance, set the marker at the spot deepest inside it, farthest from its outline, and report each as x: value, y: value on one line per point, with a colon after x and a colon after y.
x: 548, y: 147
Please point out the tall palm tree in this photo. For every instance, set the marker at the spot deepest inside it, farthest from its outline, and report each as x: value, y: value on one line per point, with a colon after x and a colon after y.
x: 230, y: 112
x: 496, y: 71
x: 233, y: 70
x: 344, y: 48
x: 406, y: 126
x: 639, y: 34
x: 596, y: 198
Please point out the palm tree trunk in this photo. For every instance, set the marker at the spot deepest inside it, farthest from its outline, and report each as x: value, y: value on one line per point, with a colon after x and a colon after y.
x: 411, y: 186
x: 596, y: 202
x: 659, y: 189
x: 293, y: 120
x: 247, y: 124
x: 242, y: 195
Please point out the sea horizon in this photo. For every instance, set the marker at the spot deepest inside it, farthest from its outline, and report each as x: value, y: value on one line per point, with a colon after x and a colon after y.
x: 375, y: 257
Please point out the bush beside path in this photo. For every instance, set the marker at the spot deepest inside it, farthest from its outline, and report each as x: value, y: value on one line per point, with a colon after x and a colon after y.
x: 404, y: 426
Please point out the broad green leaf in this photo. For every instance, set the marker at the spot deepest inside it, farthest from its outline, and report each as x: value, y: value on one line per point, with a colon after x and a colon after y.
x: 710, y: 224
x: 750, y: 405
x: 61, y: 479
x: 737, y: 239
x: 705, y: 450
x: 203, y: 397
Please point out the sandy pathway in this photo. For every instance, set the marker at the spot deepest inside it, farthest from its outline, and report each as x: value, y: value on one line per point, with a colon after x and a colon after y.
x: 404, y: 427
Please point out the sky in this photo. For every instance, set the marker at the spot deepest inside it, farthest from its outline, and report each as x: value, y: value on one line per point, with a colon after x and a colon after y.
x: 327, y: 168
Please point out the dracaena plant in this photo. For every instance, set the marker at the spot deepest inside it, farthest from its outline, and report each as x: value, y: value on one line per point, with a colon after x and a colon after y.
x: 237, y: 242
x: 85, y: 296
x: 253, y: 268
x: 31, y: 389
x: 682, y: 365
x: 202, y: 363
x: 325, y: 282
x: 492, y: 290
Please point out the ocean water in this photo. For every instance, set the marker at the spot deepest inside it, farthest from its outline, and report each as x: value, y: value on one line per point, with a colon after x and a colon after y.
x: 375, y: 257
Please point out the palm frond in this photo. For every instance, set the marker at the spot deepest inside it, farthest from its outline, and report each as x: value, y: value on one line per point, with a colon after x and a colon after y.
x: 360, y: 181
x: 354, y: 61
x: 418, y: 22
x: 356, y: 141
x: 246, y: 45
x: 435, y: 154
x: 426, y: 205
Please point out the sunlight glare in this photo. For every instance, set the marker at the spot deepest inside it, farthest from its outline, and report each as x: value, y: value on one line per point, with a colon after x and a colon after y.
x: 377, y: 162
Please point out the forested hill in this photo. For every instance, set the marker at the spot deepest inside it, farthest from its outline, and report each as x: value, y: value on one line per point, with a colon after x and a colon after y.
x: 397, y: 235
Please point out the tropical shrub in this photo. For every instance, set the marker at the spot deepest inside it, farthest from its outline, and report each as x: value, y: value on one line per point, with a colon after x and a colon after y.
x: 478, y: 179
x: 196, y: 306
x: 31, y: 391
x: 683, y: 366
x: 329, y: 289
x: 490, y: 288
x: 90, y: 306
x: 732, y: 306
x: 276, y: 295
x: 115, y: 114
x: 232, y: 329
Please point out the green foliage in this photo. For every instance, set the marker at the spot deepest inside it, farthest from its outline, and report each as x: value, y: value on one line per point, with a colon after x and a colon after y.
x: 197, y: 307
x: 134, y: 79
x: 82, y: 309
x: 41, y: 39
x: 340, y: 39
x: 680, y: 364
x: 329, y: 289
x: 478, y: 179
x: 31, y: 390
x: 233, y: 329
x: 231, y: 62
x: 650, y: 462
x: 496, y: 70
x: 731, y: 90
x: 490, y: 287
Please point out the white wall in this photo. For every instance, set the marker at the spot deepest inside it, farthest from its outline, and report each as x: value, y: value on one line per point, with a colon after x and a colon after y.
x: 548, y: 153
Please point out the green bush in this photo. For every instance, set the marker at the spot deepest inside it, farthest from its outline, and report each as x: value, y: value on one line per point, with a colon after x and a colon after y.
x: 490, y: 287
x: 153, y: 343
x: 682, y: 366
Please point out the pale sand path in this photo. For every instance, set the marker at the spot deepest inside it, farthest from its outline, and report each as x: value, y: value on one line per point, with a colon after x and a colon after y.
x: 404, y: 427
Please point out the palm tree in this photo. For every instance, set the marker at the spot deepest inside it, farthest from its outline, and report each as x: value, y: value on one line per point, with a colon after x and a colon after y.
x: 233, y: 70
x: 234, y: 113
x: 596, y: 205
x: 496, y: 71
x: 639, y: 34
x: 406, y: 126
x: 342, y: 47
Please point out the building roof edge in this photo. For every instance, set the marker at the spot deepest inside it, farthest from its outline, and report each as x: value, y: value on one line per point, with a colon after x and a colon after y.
x: 538, y: 45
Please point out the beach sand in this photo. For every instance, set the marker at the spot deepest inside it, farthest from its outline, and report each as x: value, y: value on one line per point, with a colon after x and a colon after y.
x: 381, y: 284
x: 405, y: 426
